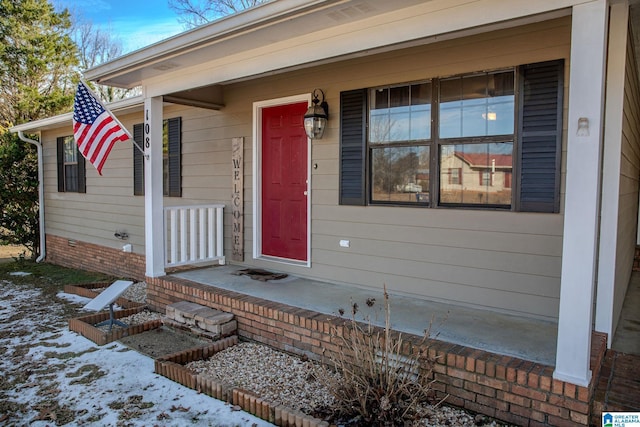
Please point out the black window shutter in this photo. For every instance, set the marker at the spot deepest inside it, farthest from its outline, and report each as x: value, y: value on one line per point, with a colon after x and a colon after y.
x: 60, y: 154
x: 82, y: 173
x: 353, y: 114
x: 174, y: 129
x: 540, y: 136
x: 138, y: 160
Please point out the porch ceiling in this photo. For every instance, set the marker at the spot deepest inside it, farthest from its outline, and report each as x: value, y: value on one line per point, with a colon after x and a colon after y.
x: 209, y: 97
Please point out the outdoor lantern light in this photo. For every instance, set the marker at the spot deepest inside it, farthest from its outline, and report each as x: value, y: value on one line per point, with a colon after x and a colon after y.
x: 315, y: 119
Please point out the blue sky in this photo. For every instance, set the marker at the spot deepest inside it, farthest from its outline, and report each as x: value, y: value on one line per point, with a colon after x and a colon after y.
x: 135, y: 23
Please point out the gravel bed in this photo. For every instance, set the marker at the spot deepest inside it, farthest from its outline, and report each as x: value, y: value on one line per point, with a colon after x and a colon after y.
x: 135, y: 319
x: 142, y: 317
x: 275, y: 376
x: 137, y: 292
x: 289, y: 381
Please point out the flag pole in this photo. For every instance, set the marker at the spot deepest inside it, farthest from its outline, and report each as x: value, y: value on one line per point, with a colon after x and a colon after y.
x: 146, y: 156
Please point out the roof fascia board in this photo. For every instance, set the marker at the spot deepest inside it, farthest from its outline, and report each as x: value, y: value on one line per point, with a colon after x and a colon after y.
x: 261, y: 15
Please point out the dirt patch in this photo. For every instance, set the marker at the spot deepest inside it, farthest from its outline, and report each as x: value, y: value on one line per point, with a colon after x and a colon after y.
x: 162, y: 341
x: 9, y: 252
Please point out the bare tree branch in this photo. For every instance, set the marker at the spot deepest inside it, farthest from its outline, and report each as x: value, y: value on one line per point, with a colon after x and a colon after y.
x: 96, y: 46
x: 192, y: 13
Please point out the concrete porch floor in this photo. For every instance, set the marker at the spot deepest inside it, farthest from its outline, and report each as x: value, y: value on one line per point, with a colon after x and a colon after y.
x: 510, y: 335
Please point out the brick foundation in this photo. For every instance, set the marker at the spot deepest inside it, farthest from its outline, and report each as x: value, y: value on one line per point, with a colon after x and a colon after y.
x: 87, y: 256
x: 507, y: 388
x: 510, y: 389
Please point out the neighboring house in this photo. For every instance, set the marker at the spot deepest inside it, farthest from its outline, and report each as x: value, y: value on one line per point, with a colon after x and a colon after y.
x: 466, y: 157
x: 476, y: 178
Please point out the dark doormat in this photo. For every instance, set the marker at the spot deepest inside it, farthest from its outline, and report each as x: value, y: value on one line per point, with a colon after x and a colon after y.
x: 258, y: 274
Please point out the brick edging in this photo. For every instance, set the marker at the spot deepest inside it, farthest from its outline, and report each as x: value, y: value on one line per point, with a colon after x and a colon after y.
x: 84, y: 326
x: 173, y: 367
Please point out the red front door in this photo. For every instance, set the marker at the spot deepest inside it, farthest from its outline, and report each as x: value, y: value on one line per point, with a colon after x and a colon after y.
x: 284, y: 182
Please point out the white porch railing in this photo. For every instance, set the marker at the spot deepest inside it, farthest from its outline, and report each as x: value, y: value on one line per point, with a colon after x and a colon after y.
x: 193, y: 235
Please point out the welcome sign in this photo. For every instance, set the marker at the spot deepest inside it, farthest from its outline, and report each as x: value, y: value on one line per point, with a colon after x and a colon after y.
x: 237, y: 199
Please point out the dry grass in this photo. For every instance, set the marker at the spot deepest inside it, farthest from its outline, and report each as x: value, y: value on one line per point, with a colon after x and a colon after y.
x: 9, y: 252
x: 379, y: 384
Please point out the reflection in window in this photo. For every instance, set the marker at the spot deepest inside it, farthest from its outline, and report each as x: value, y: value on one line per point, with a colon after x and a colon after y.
x: 478, y: 105
x: 483, y: 177
x: 400, y: 174
x: 400, y: 113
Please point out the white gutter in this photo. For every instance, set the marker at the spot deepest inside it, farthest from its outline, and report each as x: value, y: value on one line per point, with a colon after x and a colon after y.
x: 43, y: 249
x: 123, y: 106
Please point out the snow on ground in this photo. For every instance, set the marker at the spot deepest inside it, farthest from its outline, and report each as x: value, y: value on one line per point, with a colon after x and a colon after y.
x: 51, y: 376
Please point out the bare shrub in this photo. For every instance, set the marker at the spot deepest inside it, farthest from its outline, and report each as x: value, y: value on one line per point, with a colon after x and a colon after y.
x: 384, y: 379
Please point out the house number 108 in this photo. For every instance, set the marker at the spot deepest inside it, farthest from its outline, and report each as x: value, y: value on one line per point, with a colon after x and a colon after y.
x: 147, y: 144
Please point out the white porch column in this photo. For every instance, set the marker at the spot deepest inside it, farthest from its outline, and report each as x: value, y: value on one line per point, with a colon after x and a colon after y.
x: 579, y: 249
x: 609, y: 224
x: 153, y: 194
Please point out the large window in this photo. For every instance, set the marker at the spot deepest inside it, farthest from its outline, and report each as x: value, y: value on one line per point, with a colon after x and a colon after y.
x: 399, y: 134
x: 71, y: 166
x: 473, y: 136
x: 452, y: 142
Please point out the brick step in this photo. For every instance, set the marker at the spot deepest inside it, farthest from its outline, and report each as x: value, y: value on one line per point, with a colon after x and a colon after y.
x: 199, y: 317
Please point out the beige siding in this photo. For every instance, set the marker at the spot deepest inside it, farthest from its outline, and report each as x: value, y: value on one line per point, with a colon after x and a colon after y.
x: 629, y: 184
x: 497, y: 260
x: 107, y: 206
x: 109, y: 203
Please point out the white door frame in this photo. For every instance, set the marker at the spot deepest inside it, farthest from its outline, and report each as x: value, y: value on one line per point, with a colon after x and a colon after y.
x: 257, y: 179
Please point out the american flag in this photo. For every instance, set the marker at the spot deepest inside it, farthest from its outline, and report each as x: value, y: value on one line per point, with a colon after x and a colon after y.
x: 95, y: 128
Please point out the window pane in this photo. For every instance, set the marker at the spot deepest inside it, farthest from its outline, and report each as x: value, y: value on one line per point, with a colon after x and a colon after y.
x: 400, y: 113
x: 70, y: 150
x: 71, y: 177
x: 379, y: 116
x: 420, y: 112
x: 476, y: 174
x: 400, y: 174
x: 479, y: 105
